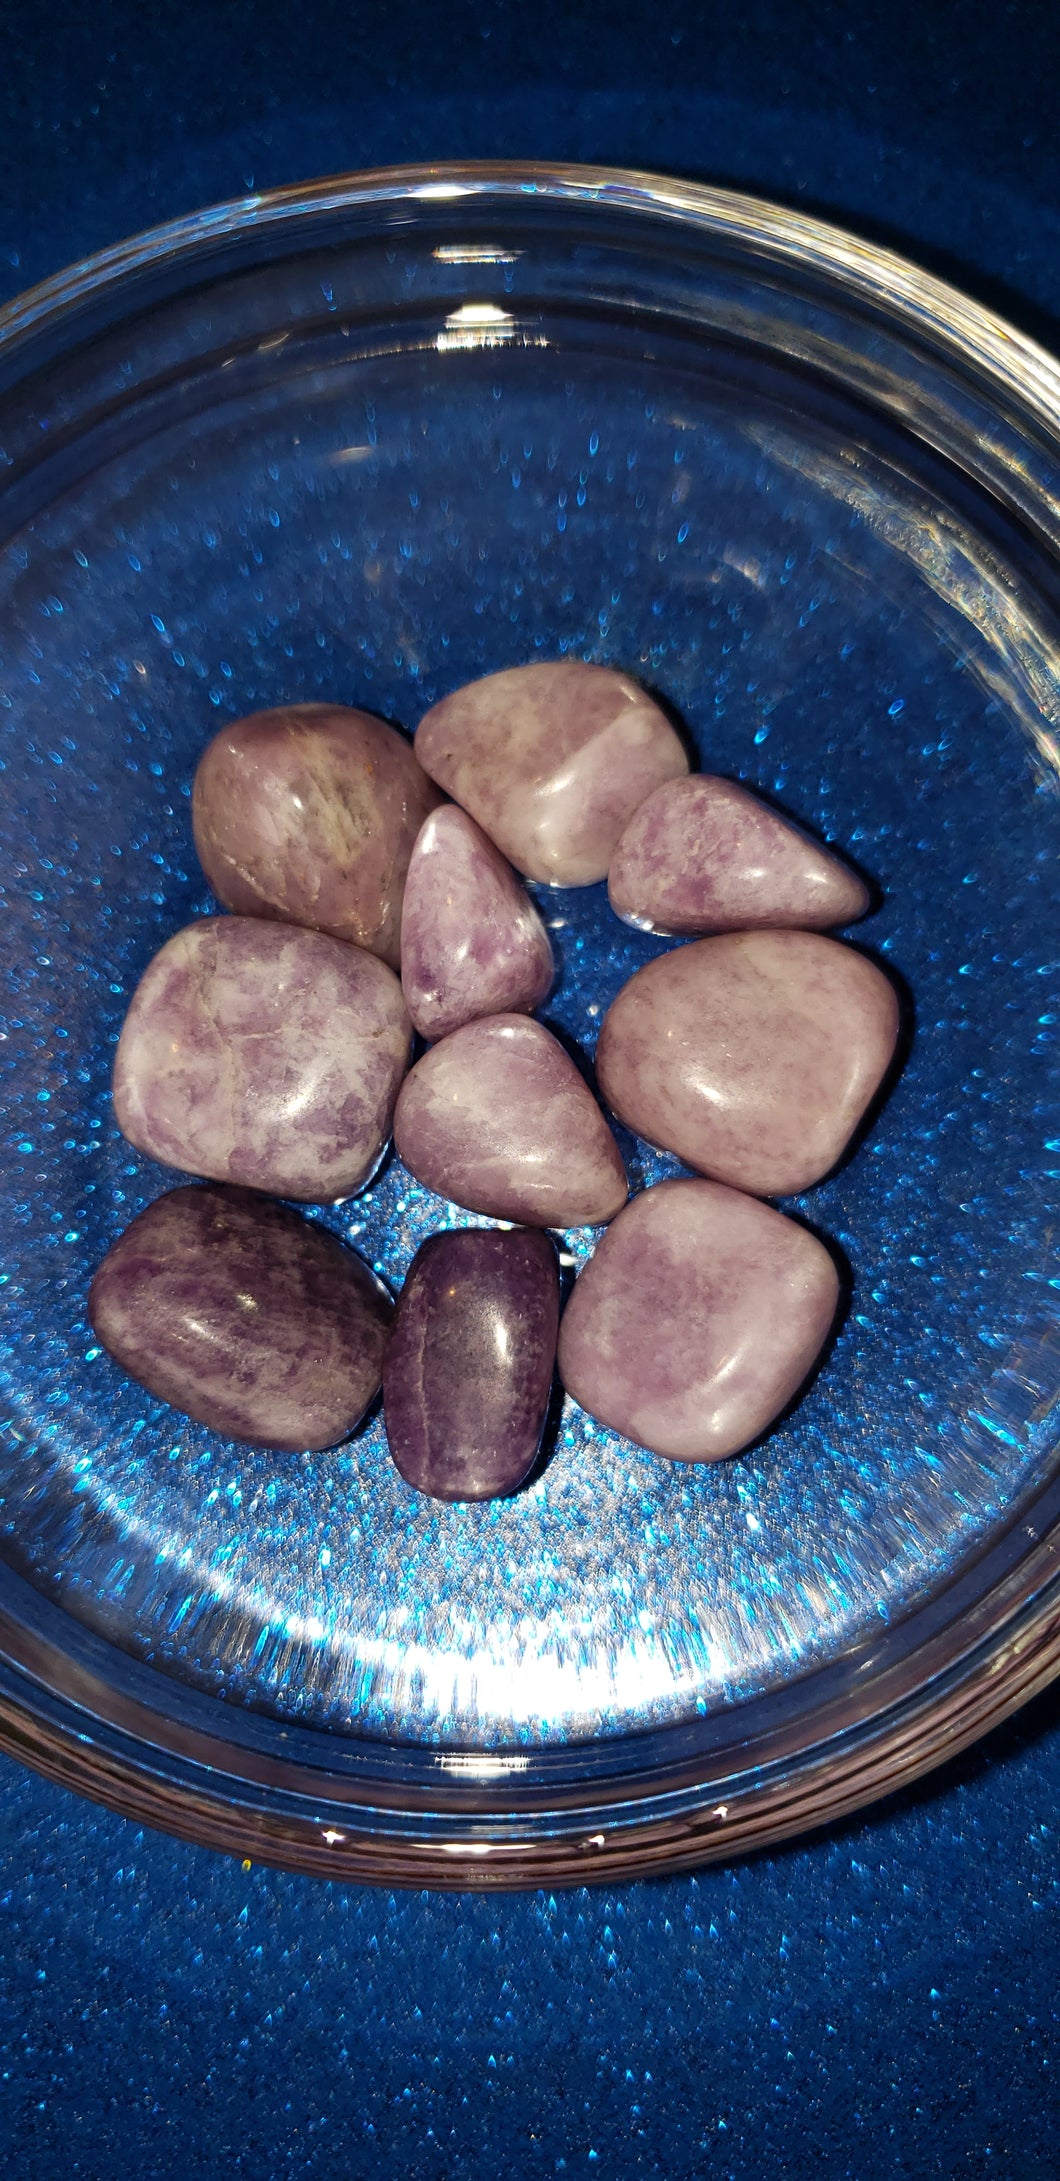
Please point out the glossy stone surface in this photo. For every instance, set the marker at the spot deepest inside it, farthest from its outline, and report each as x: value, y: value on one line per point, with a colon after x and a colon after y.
x: 696, y: 1319
x: 469, y: 1366
x: 753, y: 1055
x: 552, y: 760
x: 262, y: 1054
x: 309, y: 813
x: 245, y: 1316
x: 705, y: 855
x: 498, y: 1118
x: 472, y: 942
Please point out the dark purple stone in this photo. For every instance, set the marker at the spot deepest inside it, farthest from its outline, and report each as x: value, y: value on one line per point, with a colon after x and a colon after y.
x: 244, y: 1316
x: 469, y: 1367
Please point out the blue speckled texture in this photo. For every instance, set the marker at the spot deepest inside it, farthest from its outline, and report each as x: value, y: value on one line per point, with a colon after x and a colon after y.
x: 380, y: 531
x: 883, y: 2001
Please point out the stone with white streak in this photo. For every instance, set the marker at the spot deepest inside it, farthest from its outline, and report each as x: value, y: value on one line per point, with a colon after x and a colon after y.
x: 552, y: 761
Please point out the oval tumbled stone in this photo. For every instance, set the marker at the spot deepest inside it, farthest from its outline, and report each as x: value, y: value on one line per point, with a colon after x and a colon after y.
x: 752, y: 1056
x: 552, y: 760
x: 698, y: 1316
x: 498, y: 1118
x: 309, y: 813
x: 472, y: 942
x: 245, y: 1316
x: 705, y: 855
x: 469, y: 1365
x: 264, y: 1055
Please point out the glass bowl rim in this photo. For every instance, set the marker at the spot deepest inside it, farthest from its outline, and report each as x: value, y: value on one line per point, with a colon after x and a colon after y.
x: 475, y: 1827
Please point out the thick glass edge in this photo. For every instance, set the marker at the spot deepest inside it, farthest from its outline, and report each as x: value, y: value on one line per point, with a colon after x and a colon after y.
x: 608, y: 1847
x: 909, y: 295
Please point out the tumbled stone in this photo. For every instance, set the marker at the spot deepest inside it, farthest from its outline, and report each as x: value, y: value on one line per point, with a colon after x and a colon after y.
x: 309, y: 813
x: 472, y: 942
x: 265, y: 1055
x: 552, y: 760
x: 704, y: 855
x: 245, y: 1316
x: 753, y: 1056
x: 498, y: 1118
x: 698, y: 1316
x: 469, y: 1366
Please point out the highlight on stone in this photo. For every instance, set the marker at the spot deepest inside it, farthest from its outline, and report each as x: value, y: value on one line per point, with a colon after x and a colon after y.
x: 753, y: 1056
x: 245, y: 1316
x: 498, y: 1118
x: 470, y: 1361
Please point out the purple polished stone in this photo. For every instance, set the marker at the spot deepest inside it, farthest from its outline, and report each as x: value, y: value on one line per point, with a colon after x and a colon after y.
x: 309, y: 813
x: 703, y: 855
x: 472, y: 942
x: 498, y: 1118
x: 552, y: 760
x: 469, y: 1366
x: 696, y: 1319
x: 753, y: 1056
x: 244, y: 1316
x: 265, y: 1055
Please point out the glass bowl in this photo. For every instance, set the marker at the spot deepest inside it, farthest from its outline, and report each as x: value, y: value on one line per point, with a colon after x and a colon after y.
x: 366, y: 440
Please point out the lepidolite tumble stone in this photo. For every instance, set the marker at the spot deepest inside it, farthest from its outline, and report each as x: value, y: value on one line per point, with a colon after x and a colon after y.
x: 752, y: 1056
x: 469, y: 1366
x: 472, y: 942
x: 264, y: 1055
x: 245, y: 1316
x: 696, y: 1319
x: 309, y: 813
x: 704, y: 855
x: 552, y: 760
x: 498, y: 1118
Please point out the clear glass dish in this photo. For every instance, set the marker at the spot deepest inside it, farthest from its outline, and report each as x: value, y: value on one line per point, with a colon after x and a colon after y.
x: 365, y: 440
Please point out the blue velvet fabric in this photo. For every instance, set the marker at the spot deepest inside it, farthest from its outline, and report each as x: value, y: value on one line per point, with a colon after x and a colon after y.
x: 881, y: 2000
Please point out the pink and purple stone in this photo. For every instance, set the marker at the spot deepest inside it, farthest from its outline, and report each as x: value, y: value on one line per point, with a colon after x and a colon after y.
x: 472, y: 942
x: 551, y: 760
x: 469, y: 1365
x: 308, y: 813
x: 698, y: 1316
x: 244, y: 1316
x: 753, y: 1056
x: 705, y: 855
x: 263, y: 1055
x: 498, y: 1119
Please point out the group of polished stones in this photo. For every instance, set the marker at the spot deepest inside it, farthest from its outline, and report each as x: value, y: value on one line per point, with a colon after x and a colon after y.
x: 267, y: 1051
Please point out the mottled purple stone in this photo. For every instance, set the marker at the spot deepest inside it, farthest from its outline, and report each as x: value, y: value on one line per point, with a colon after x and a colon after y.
x: 753, y: 1056
x: 244, y: 1316
x: 552, y: 760
x: 704, y: 855
x: 469, y: 1366
x: 498, y: 1118
x: 696, y: 1319
x: 264, y: 1055
x: 309, y: 813
x: 472, y: 942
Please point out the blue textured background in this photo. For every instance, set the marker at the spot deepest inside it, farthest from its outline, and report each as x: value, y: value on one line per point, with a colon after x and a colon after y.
x: 879, y: 2001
